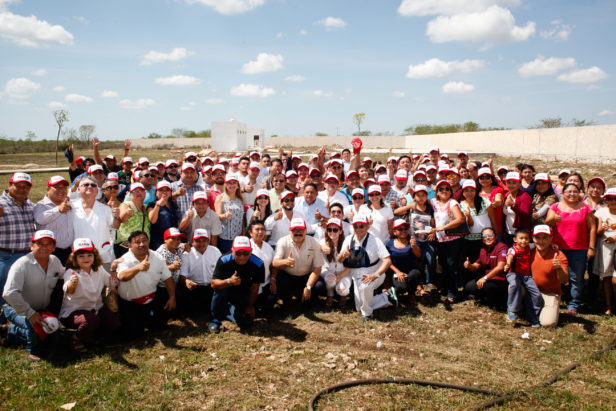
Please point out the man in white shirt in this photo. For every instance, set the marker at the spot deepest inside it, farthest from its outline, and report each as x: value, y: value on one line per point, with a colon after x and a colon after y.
x: 141, y: 302
x: 278, y: 223
x: 196, y: 274
x: 312, y: 207
x: 201, y: 216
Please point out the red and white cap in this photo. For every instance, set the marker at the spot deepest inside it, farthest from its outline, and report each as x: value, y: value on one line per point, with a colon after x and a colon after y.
x: 136, y: 186
x: 542, y: 177
x: 453, y: 170
x: 401, y: 175
x: 335, y: 154
x: 207, y: 169
x: 303, y: 165
x: 189, y: 155
x: 186, y: 166
x: 484, y: 170
x: 485, y: 164
x: 335, y: 161
x: 314, y: 156
x: 235, y: 160
x: 254, y: 153
x: 136, y: 174
x: 331, y: 177
x: 419, y: 173
x: 163, y: 184
x: 95, y: 168
x: 469, y: 183
x: 232, y: 177
x: 369, y: 180
x: 262, y: 192
x: 596, y: 180
x: 40, y: 234
x: 153, y: 168
x: 82, y: 244
x: 127, y: 160
x: 542, y: 229
x: 379, y: 168
x: 170, y: 162
x: 110, y: 157
x: 254, y: 166
x: 295, y: 157
x: 422, y: 167
x: 352, y: 173
x: 237, y: 154
x: 143, y: 160
x: 80, y: 159
x: 297, y: 223
x: 442, y: 183
x: 444, y: 156
x: 367, y: 160
x: 360, y: 219
x: 199, y: 195
x: 314, y: 171
x: 358, y: 192
x: 426, y: 160
x: 375, y: 188
x: 207, y: 159
x: 462, y: 153
x: 415, y: 157
x: 218, y: 167
x: 502, y: 168
x: 173, y: 232
x: 564, y: 171
x: 610, y: 192
x: 430, y: 167
x: 399, y: 222
x: 383, y: 179
x: 223, y: 160
x: 57, y: 180
x: 200, y: 233
x: 513, y: 175
x: 420, y: 187
x: 241, y: 243
x: 392, y: 159
x: 290, y: 173
x: 159, y: 164
x: 335, y: 221
x: 286, y: 194
x: 113, y: 176
x: 433, y: 148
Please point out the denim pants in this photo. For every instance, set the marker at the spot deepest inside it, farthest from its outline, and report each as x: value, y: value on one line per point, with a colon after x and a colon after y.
x: 577, y: 267
x: 22, y: 333
x: 448, y: 255
x: 6, y: 261
x: 230, y: 306
x: 532, y: 300
x: 428, y: 255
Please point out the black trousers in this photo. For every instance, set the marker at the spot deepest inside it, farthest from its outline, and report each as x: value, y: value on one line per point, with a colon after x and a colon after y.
x: 409, y: 284
x: 493, y: 294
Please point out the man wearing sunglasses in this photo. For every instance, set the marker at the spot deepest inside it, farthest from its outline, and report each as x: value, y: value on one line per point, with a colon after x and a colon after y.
x: 278, y: 223
x: 171, y: 171
x: 236, y: 280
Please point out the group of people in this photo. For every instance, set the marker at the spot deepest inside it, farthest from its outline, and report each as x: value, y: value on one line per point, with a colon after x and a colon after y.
x: 116, y: 249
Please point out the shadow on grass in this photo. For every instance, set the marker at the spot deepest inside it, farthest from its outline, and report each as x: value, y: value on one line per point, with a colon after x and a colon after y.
x: 589, y: 325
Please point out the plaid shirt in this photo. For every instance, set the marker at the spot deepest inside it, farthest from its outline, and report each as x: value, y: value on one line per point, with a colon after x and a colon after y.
x: 392, y: 195
x: 16, y: 224
x: 184, y: 202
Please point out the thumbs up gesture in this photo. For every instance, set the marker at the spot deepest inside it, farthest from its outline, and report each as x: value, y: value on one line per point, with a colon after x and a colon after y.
x: 176, y: 264
x: 235, y: 279
x: 145, y: 264
x: 317, y: 215
x: 290, y: 260
x: 556, y: 261
x: 467, y: 263
x: 278, y: 215
x: 74, y: 279
x: 65, y: 206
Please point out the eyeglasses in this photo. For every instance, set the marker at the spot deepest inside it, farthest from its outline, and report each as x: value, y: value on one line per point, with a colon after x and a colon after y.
x: 358, y: 197
x: 336, y: 167
x: 488, y: 235
x: 333, y: 230
x: 173, y: 166
x: 315, y: 175
x: 146, y: 175
x: 360, y: 226
x: 242, y: 253
x: 288, y: 200
x: 610, y: 198
x: 420, y: 180
x: 88, y: 185
x: 485, y: 177
x: 452, y: 176
x: 112, y: 188
x: 191, y: 159
x: 279, y: 181
x: 374, y: 194
x: 263, y: 198
x: 219, y: 174
x: 444, y: 189
x: 335, y: 211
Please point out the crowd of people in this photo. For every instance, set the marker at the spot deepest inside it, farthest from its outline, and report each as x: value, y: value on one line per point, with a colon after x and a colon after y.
x: 118, y: 249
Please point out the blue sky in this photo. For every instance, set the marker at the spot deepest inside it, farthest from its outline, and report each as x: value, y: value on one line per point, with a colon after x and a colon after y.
x: 300, y: 67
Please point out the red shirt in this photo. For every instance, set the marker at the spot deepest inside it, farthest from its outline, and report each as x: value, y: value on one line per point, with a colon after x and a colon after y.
x: 521, y: 260
x: 489, y: 259
x: 544, y: 273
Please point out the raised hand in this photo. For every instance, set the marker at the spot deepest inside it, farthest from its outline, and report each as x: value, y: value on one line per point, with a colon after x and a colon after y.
x: 145, y: 264
x: 290, y: 261
x: 176, y: 264
x: 235, y: 279
x: 65, y: 206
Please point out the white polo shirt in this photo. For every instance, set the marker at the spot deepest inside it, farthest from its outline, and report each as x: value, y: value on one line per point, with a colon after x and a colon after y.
x: 96, y: 227
x: 199, y: 267
x: 145, y: 282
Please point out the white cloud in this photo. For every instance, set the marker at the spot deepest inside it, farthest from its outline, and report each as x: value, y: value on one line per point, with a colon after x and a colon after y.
x: 296, y: 78
x: 398, y: 93
x: 449, y: 7
x: 178, y: 80
x: 303, y: 32
x: 495, y: 25
x: 77, y: 98
x: 186, y: 108
x: 136, y: 105
x: 457, y: 87
x: 81, y: 19
x: 109, y: 94
x: 214, y: 101
x: 230, y: 6
x: 321, y: 93
x: 21, y: 88
x: 281, y: 35
x: 59, y: 89
x: 545, y: 67
x: 332, y: 23
x: 153, y: 56
x: 56, y: 104
x: 584, y: 76
x: 39, y: 72
x: 558, y: 32
x: 252, y: 90
x: 192, y: 103
x: 606, y: 112
x: 436, y: 68
x: 264, y: 63
x: 32, y: 32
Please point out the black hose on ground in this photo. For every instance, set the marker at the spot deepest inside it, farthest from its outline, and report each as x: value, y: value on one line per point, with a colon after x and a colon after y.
x: 500, y: 398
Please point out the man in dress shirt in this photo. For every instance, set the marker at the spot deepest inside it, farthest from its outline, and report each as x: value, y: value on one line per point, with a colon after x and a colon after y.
x: 312, y: 207
x: 196, y: 273
x: 53, y: 213
x: 278, y: 223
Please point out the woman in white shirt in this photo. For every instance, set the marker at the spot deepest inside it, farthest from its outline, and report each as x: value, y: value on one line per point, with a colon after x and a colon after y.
x: 82, y: 306
x: 334, y: 273
x: 380, y: 215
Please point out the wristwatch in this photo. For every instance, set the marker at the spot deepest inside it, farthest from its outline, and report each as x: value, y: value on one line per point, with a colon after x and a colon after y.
x: 308, y: 287
x: 228, y: 281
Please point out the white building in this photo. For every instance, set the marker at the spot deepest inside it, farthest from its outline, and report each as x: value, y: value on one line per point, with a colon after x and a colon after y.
x: 232, y: 135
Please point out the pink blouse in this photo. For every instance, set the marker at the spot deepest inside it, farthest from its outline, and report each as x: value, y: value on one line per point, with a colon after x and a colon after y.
x: 571, y: 232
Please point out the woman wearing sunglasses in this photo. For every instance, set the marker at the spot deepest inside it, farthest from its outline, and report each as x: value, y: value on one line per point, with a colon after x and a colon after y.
x: 489, y: 188
x: 380, y: 215
x: 133, y: 217
x: 358, y: 199
x: 333, y: 272
x: 261, y: 208
x: 405, y: 262
x: 162, y: 214
x: 447, y: 216
x: 230, y: 209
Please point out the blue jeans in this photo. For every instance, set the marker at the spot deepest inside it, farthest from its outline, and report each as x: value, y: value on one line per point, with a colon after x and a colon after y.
x: 22, y: 333
x: 6, y: 261
x: 577, y: 267
x: 428, y: 255
x: 230, y: 306
x: 532, y: 301
x: 448, y: 255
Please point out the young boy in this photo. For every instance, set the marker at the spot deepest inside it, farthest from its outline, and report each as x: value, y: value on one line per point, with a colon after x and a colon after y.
x: 518, y: 277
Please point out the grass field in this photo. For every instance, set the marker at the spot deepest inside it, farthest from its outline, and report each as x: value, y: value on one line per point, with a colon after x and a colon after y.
x: 285, y: 359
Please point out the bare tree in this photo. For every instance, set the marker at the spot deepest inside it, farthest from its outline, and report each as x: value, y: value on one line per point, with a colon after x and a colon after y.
x: 85, y: 133
x: 357, y: 119
x: 61, y: 117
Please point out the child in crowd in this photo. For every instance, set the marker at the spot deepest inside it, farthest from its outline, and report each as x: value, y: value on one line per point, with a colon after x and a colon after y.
x: 606, y: 245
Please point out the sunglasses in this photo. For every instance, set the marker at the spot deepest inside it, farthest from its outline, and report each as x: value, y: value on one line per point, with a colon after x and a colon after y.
x: 358, y: 197
x: 242, y: 253
x: 490, y: 235
x: 485, y: 177
x: 452, y: 176
x: 374, y: 194
x: 191, y: 159
x: 297, y: 231
x: 173, y: 166
x: 333, y: 230
x: 360, y: 226
x: 146, y: 175
x: 337, y: 167
x: 402, y: 228
x: 88, y: 185
x: 420, y: 180
x: 335, y: 211
x: 314, y: 175
x: 112, y: 188
x: 263, y: 198
x: 444, y: 189
x: 279, y: 181
x: 288, y: 200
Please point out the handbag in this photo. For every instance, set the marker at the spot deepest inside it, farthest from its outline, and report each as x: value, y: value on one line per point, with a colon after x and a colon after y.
x: 459, y: 231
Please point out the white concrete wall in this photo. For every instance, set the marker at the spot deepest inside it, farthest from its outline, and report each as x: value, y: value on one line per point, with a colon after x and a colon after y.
x: 250, y: 137
x: 228, y: 136
x: 183, y: 142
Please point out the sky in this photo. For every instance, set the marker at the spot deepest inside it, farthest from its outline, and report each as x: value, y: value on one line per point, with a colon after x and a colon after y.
x: 298, y: 67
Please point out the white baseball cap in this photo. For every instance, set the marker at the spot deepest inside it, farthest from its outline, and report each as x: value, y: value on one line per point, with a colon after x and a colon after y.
x: 200, y: 233
x: 241, y: 243
x: 297, y: 223
x: 199, y: 195
x: 57, y: 180
x: 163, y: 184
x: 40, y: 234
x: 136, y: 186
x: 542, y: 229
x: 82, y: 244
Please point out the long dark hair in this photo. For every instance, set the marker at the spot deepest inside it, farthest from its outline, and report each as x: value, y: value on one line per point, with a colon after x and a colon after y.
x: 477, y: 201
x: 330, y: 243
x: 492, y: 179
x: 429, y: 208
x: 268, y: 207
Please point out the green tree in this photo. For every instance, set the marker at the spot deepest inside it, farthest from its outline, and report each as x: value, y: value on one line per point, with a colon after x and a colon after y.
x: 471, y: 126
x: 204, y: 133
x: 30, y: 135
x: 61, y: 117
x: 581, y: 123
x: 177, y: 132
x: 319, y: 134
x: 550, y: 122
x: 358, y: 118
x: 154, y: 135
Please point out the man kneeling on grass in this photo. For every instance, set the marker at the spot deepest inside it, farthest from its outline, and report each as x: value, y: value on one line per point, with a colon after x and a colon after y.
x: 236, y: 282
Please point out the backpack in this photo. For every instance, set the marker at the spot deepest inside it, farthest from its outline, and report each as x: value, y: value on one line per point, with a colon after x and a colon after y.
x: 359, y: 256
